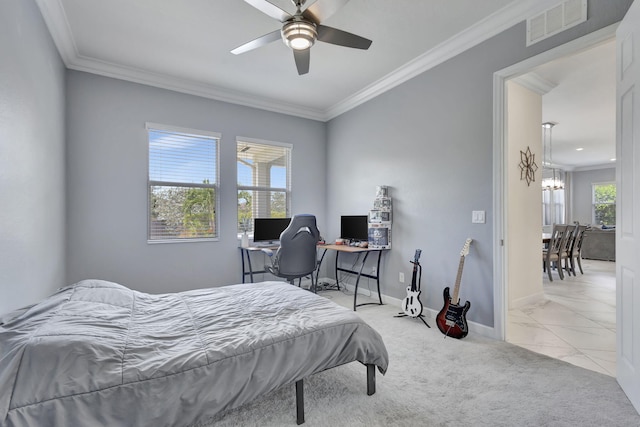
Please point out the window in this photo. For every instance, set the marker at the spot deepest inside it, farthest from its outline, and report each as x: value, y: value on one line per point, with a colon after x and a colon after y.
x: 554, y: 194
x: 264, y: 181
x: 183, y: 184
x: 604, y: 203
x: 552, y: 207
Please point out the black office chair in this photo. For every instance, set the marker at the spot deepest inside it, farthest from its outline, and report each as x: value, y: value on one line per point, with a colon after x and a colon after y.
x: 297, y: 255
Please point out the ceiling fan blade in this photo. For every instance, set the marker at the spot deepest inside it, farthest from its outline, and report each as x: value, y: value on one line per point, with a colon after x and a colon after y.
x: 302, y: 58
x: 256, y: 43
x: 322, y: 9
x: 270, y: 9
x: 342, y: 38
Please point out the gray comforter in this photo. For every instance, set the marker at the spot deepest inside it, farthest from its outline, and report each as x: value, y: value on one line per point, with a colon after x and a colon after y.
x: 97, y: 353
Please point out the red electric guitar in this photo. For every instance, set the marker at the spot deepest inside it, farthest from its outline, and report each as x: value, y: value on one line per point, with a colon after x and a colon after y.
x: 411, y: 305
x: 452, y: 320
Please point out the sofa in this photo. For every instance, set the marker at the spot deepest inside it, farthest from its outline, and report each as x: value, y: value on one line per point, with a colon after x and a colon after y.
x: 599, y: 243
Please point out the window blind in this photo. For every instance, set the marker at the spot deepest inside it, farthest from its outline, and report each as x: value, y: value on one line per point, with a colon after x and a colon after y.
x: 182, y: 184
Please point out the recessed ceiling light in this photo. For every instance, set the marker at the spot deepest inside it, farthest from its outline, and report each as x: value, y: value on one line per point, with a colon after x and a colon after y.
x: 613, y: 160
x: 579, y: 149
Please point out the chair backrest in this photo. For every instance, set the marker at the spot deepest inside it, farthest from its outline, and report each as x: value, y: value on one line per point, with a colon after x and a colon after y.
x: 297, y: 255
x: 577, y: 245
x: 571, y: 238
x: 559, y: 236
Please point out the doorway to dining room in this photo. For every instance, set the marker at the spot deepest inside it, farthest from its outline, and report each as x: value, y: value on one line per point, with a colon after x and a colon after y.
x: 573, y: 319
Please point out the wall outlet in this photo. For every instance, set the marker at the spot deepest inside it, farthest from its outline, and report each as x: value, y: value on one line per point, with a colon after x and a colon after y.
x: 401, y: 277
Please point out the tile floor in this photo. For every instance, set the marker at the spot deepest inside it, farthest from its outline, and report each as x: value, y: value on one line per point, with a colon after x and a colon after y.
x: 577, y: 320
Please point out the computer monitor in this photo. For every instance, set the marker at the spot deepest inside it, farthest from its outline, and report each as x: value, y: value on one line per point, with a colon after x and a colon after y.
x: 354, y: 227
x: 269, y: 229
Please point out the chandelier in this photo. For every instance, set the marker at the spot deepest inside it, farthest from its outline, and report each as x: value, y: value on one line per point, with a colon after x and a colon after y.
x: 553, y: 179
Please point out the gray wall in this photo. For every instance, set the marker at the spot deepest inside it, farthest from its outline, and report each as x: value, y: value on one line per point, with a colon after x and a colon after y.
x: 107, y: 181
x: 431, y: 140
x: 32, y: 158
x: 582, y: 191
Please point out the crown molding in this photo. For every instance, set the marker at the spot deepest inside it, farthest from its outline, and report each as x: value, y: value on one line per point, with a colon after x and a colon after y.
x: 534, y: 82
x: 191, y: 87
x: 611, y: 165
x: 515, y: 12
x: 492, y: 25
x: 56, y: 20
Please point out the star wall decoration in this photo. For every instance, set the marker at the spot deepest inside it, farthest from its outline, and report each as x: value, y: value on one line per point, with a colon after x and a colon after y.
x: 528, y: 166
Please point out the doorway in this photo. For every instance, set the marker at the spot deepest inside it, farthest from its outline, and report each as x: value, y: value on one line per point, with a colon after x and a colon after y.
x: 555, y: 338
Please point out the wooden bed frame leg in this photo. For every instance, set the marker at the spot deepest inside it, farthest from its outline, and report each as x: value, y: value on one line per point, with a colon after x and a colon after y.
x: 300, y: 402
x: 371, y: 379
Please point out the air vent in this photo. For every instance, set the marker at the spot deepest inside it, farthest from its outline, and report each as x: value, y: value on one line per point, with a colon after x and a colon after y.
x: 556, y: 19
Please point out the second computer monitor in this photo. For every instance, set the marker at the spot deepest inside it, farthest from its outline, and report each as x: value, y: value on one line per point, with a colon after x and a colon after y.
x: 354, y: 227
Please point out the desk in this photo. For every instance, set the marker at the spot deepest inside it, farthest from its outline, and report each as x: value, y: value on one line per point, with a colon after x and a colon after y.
x: 247, y: 251
x: 247, y: 269
x: 354, y: 250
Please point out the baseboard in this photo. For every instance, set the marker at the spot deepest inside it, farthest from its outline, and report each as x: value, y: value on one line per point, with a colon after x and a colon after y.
x: 429, y: 314
x: 524, y: 301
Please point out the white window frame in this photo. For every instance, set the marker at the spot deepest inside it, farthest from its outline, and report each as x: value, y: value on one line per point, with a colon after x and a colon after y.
x: 258, y: 211
x: 149, y: 126
x: 593, y: 198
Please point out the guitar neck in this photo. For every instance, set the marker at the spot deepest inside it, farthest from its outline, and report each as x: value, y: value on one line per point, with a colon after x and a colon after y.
x: 456, y: 290
x: 414, y: 286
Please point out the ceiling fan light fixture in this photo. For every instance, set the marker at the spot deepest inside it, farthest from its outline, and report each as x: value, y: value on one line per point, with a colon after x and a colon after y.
x: 299, y: 35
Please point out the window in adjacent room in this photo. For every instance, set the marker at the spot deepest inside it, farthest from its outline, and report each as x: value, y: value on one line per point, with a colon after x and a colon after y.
x: 604, y: 203
x: 182, y: 184
x: 264, y: 181
x: 553, y: 207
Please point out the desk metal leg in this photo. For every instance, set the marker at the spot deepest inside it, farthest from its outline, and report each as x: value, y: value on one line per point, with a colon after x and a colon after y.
x: 246, y: 252
x: 250, y: 268
x: 320, y: 265
x: 337, y: 281
x: 378, y: 277
x: 242, y: 251
x: 355, y: 294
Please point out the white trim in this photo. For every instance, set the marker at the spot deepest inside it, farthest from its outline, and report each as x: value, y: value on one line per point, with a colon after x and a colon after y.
x: 59, y: 28
x: 466, y: 39
x: 429, y: 314
x: 515, y: 12
x: 611, y: 165
x: 500, y: 256
x: 524, y: 301
x: 500, y: 253
x: 536, y: 83
x: 185, y: 131
x: 264, y: 142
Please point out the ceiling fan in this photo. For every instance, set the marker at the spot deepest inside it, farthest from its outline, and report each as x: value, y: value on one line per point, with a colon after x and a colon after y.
x: 301, y: 30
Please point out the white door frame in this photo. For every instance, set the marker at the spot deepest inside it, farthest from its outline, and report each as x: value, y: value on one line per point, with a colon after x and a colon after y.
x: 500, y: 184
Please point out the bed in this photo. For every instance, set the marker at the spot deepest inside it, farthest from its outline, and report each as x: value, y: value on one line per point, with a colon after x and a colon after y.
x: 99, y: 353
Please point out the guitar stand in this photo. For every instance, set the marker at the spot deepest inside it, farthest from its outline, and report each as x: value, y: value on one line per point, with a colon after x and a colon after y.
x: 420, y: 316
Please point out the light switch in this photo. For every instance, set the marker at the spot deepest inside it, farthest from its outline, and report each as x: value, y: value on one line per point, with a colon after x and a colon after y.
x: 477, y: 217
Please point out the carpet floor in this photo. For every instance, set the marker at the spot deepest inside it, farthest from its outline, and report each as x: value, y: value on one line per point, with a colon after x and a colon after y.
x: 432, y: 381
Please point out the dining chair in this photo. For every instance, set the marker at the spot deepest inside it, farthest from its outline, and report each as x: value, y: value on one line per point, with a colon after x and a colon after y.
x: 555, y: 251
x: 576, y: 249
x: 565, y: 254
